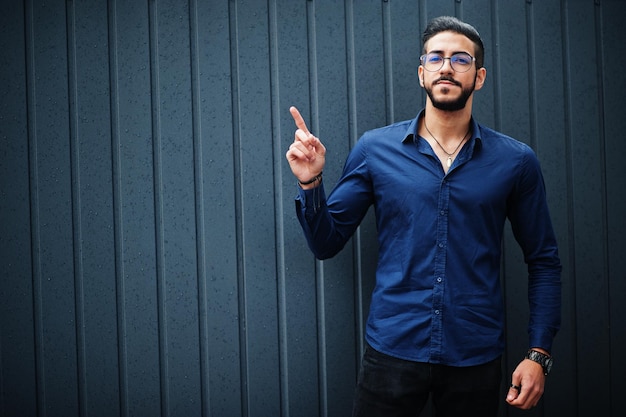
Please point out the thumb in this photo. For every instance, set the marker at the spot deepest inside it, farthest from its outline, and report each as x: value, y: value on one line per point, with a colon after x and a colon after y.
x: 514, y: 391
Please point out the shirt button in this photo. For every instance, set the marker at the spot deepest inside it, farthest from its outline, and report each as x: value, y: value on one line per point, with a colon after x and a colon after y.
x: 436, y: 311
x: 441, y: 245
x: 443, y: 213
x: 439, y: 279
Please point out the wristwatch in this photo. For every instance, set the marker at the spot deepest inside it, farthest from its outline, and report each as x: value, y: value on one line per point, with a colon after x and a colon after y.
x: 542, y: 359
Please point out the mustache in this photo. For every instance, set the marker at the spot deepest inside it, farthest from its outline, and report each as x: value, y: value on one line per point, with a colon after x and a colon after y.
x: 448, y: 79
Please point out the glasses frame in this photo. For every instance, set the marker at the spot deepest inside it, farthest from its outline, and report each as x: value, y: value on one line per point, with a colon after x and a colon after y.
x: 443, y: 60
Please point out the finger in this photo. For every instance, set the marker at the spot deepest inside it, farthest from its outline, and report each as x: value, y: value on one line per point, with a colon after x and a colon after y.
x: 297, y: 118
x: 514, y: 391
x: 303, y: 136
x: 301, y: 151
x: 308, y: 143
x: 295, y: 154
x: 524, y: 400
x: 298, y: 151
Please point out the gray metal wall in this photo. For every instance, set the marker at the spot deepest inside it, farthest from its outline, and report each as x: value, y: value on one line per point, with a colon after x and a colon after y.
x: 151, y: 262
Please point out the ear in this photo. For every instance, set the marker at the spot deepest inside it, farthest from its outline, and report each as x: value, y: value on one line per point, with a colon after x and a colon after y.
x: 420, y: 75
x: 481, y: 75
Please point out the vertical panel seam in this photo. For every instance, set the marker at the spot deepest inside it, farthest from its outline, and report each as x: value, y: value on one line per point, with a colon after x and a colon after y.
x: 532, y: 76
x: 388, y: 61
x: 79, y: 295
x: 31, y: 97
x: 158, y: 205
x: 117, y: 209
x: 351, y: 73
x: 278, y: 210
x: 569, y: 149
x: 199, y: 207
x: 497, y: 88
x: 497, y: 103
x: 603, y: 170
x: 319, y: 270
x: 240, y: 246
x: 422, y: 22
x: 532, y: 89
x: 312, y: 57
x: 359, y: 305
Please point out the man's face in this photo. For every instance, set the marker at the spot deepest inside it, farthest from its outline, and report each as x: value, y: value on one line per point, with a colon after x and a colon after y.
x: 448, y: 89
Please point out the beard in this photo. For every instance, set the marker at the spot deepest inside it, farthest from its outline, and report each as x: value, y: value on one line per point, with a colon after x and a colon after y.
x: 454, y: 105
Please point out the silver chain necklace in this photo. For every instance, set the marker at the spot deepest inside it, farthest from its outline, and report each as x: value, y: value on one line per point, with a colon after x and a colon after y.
x: 449, y: 161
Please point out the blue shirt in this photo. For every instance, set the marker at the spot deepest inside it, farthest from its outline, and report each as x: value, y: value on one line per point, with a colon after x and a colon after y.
x: 437, y: 297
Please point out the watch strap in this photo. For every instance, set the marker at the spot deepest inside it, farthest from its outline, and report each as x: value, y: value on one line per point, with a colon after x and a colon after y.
x: 541, y: 358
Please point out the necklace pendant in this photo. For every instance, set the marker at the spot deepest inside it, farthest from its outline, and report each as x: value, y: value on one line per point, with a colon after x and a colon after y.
x: 449, y: 161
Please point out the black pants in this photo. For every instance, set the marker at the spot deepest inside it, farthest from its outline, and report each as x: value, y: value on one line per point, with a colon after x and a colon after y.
x: 392, y: 387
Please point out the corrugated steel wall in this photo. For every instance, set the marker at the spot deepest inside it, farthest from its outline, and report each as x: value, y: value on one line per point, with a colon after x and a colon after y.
x: 152, y: 264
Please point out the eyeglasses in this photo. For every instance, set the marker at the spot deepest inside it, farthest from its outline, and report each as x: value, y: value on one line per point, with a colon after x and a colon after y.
x: 460, y: 62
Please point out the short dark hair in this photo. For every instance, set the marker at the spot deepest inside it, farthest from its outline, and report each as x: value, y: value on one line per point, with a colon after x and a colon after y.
x: 452, y: 24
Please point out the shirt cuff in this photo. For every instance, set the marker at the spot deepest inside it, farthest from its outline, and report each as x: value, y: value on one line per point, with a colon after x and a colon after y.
x: 310, y: 201
x: 541, y: 339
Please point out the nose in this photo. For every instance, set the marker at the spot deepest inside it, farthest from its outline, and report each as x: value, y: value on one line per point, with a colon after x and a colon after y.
x: 447, y: 65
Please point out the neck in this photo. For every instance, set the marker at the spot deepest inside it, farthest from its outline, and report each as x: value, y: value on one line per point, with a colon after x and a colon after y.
x: 447, y: 126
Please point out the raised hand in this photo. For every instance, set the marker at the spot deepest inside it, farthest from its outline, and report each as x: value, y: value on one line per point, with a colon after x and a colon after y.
x: 306, y: 155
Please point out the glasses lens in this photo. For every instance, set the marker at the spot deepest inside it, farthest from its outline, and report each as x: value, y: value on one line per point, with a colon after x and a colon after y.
x: 460, y: 62
x: 432, y: 62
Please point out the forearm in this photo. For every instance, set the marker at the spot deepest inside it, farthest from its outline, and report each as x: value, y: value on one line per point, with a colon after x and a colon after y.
x: 317, y: 223
x: 328, y: 224
x: 544, y: 295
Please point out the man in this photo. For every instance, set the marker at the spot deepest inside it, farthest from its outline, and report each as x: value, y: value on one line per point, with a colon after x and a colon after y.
x: 442, y: 186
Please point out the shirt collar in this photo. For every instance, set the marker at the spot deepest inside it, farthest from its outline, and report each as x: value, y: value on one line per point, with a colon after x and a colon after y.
x: 411, y: 132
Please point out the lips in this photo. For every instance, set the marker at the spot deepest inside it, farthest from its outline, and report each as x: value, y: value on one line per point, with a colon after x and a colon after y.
x: 448, y: 81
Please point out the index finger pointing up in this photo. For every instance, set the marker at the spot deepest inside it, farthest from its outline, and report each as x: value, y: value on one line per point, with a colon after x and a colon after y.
x: 297, y: 117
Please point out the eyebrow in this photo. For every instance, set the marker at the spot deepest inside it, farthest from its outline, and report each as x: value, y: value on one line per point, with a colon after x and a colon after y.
x: 454, y: 52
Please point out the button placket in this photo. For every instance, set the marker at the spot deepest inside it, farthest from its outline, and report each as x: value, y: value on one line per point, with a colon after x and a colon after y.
x: 440, y: 272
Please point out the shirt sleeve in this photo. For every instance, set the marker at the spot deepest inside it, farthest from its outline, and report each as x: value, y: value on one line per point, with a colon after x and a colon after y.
x: 328, y: 223
x: 532, y: 228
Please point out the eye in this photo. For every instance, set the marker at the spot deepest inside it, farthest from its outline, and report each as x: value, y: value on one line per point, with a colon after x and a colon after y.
x: 433, y: 58
x: 461, y: 59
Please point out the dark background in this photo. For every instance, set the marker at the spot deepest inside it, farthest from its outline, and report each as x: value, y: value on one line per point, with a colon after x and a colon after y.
x: 151, y: 261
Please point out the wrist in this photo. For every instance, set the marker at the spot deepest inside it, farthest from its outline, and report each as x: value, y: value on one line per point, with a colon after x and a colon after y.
x: 311, y: 183
x: 544, y: 359
x: 540, y: 350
